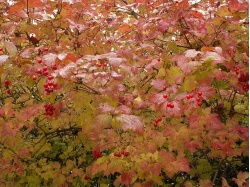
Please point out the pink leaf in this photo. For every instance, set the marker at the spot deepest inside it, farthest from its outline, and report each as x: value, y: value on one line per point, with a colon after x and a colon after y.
x: 215, y: 57
x: 158, y: 84
x: 177, y: 111
x: 27, y: 53
x: 154, y: 63
x: 68, y: 70
x: 3, y: 59
x: 49, y: 59
x: 106, y: 108
x: 207, y: 91
x: 182, y: 164
x: 214, y: 123
x: 123, y: 109
x: 157, y: 98
x: 11, y: 48
x: 131, y: 122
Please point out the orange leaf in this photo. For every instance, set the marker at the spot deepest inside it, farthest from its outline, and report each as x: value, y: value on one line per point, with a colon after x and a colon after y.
x: 124, y: 28
x: 17, y: 7
x: 205, y: 49
x: 35, y: 3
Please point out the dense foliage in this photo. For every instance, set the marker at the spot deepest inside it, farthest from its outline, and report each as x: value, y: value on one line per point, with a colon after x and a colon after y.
x: 124, y: 93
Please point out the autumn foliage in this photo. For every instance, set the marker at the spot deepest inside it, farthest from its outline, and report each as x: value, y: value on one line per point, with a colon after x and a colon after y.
x: 124, y: 93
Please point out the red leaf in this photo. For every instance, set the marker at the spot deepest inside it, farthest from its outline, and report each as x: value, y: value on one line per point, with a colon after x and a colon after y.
x: 131, y: 122
x: 234, y: 5
x: 128, y: 177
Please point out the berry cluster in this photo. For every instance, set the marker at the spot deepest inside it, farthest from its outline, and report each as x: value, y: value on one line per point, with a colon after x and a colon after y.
x: 236, y: 70
x: 198, y: 99
x: 49, y: 109
x: 170, y: 105
x: 97, y: 154
x: 7, y: 84
x: 245, y: 87
x: 50, y: 85
x: 157, y: 121
x: 121, y: 153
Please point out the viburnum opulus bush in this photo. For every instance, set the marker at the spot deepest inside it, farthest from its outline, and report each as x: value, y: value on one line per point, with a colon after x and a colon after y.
x: 124, y: 93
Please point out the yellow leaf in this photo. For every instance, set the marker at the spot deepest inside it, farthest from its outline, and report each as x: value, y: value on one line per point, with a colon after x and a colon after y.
x: 223, y: 11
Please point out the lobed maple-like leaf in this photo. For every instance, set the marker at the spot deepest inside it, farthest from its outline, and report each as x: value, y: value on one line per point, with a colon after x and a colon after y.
x: 242, y: 178
x: 131, y: 122
x: 128, y: 177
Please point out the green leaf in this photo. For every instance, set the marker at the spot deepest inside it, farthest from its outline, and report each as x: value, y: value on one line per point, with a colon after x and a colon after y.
x: 173, y: 47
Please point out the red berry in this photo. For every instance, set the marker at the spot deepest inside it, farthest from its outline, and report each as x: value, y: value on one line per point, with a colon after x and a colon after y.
x: 234, y: 50
x: 54, y: 84
x: 39, y: 60
x: 1, y: 48
x: 229, y: 52
x: 39, y: 71
x: 45, y: 85
x: 50, y: 77
x: 168, y: 104
x: 243, y: 77
x: 7, y: 82
x: 172, y: 105
x: 165, y: 96
x: 50, y: 83
x: 199, y: 103
x: 45, y: 68
x: 199, y: 94
x: 159, y: 59
x: 46, y: 49
x: 117, y: 155
x: 8, y: 91
x: 164, y: 88
x: 191, y: 95
x: 104, y: 64
x: 155, y: 125
x: 198, y: 99
x: 46, y: 73
x: 99, y: 65
x: 122, y: 152
x: 158, y: 120
x: 188, y: 96
x: 126, y: 153
x: 54, y: 67
x: 34, y: 77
